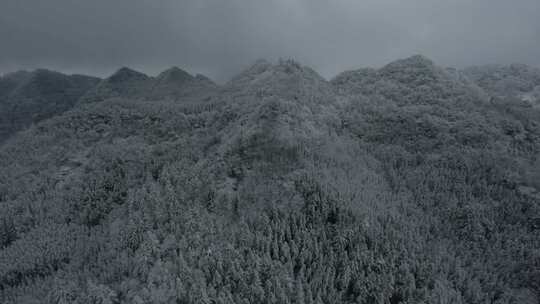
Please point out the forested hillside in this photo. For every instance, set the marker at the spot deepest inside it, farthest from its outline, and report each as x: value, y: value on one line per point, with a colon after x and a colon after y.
x: 30, y: 97
x: 406, y: 184
x: 516, y: 81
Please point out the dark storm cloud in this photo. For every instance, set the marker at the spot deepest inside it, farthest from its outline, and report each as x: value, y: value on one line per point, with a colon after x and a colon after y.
x: 221, y: 37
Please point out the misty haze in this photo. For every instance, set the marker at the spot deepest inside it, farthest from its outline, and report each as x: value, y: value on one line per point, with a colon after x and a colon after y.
x: 300, y: 151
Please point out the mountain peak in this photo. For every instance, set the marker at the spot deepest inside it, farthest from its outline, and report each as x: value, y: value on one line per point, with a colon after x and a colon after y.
x: 127, y: 74
x: 175, y: 75
x: 416, y: 61
x: 419, y: 58
x: 175, y: 83
x: 286, y: 79
x: 262, y: 71
x: 125, y: 82
x: 415, y: 70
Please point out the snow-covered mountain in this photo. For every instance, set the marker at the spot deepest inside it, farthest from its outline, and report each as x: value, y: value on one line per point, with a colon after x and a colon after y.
x: 404, y: 184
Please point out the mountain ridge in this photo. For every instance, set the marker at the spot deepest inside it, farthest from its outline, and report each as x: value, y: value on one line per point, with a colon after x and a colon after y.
x: 404, y: 184
x: 37, y: 95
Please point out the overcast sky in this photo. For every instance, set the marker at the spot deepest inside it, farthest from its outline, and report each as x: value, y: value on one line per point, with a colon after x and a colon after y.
x: 221, y: 37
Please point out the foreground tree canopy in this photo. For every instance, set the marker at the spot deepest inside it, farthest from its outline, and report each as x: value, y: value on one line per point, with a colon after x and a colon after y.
x: 407, y: 184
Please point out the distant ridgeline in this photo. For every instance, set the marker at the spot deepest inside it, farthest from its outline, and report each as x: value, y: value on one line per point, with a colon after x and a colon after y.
x: 29, y: 97
x: 411, y: 183
x: 173, y: 84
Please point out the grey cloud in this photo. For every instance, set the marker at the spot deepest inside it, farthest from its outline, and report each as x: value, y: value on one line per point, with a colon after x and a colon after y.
x: 220, y: 37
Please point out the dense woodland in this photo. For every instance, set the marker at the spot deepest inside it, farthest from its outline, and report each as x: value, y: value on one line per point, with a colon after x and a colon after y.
x: 410, y: 183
